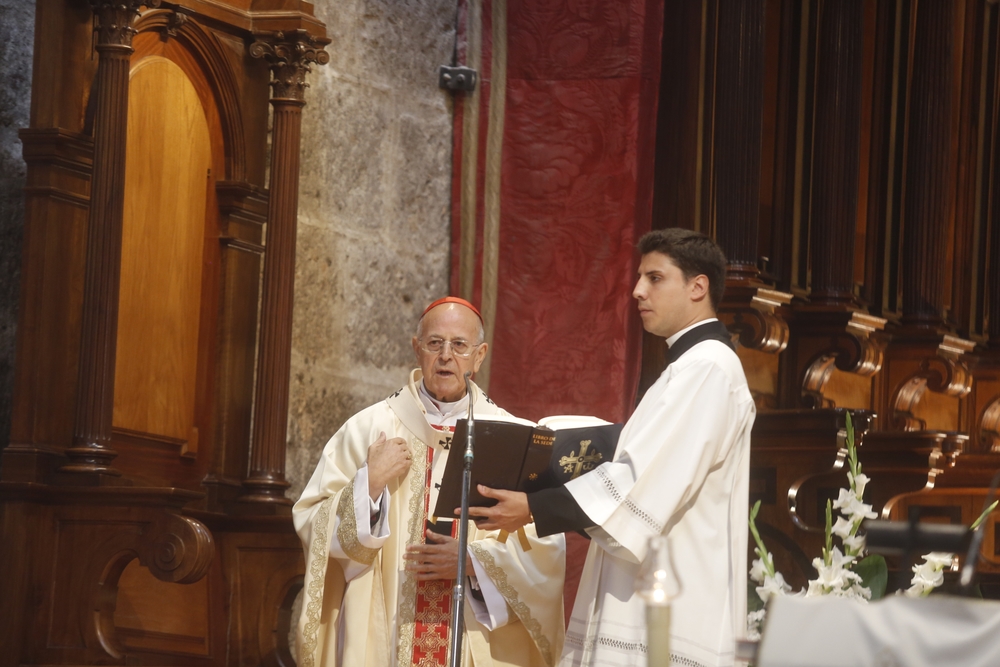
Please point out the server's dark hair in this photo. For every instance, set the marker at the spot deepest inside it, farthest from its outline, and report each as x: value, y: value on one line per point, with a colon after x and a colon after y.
x: 693, y: 253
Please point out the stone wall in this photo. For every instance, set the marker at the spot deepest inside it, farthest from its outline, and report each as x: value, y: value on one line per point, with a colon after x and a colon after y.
x: 374, y: 222
x: 17, y: 20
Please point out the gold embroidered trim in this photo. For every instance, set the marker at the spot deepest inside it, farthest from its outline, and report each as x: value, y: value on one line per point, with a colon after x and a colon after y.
x: 319, y: 553
x: 347, y: 531
x: 415, y: 528
x: 509, y: 593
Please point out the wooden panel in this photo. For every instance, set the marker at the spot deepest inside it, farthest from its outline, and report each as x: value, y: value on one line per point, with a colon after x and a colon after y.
x: 958, y: 505
x: 847, y: 389
x: 154, y: 615
x: 168, y: 167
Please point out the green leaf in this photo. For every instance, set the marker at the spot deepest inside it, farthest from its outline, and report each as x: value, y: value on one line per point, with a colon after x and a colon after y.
x: 874, y: 574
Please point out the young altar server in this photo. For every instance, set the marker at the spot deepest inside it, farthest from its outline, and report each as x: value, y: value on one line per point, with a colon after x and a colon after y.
x: 681, y: 470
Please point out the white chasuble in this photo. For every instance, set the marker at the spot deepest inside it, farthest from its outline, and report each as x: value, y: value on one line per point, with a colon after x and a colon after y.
x: 362, y: 608
x: 681, y: 470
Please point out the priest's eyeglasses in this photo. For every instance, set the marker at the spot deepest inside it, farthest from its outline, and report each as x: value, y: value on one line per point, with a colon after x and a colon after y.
x: 459, y: 347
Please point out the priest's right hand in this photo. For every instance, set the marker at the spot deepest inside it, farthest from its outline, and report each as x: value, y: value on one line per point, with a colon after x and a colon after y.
x: 387, y: 460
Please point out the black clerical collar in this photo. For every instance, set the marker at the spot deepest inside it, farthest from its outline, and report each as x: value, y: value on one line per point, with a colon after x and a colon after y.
x: 714, y: 330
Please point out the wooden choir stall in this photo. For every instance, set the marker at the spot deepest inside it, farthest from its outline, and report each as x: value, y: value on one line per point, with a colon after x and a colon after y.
x: 137, y: 523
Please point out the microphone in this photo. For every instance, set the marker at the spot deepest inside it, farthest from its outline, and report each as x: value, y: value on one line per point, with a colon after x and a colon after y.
x: 469, y: 429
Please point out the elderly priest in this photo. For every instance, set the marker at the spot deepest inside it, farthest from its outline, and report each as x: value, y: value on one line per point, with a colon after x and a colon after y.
x: 378, y: 580
x: 681, y: 470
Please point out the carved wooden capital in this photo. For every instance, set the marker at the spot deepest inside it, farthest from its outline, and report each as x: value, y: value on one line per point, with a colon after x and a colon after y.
x: 289, y: 55
x: 945, y: 373
x: 753, y: 315
x: 113, y: 20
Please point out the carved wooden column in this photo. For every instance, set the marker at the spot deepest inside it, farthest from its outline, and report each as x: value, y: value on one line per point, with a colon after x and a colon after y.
x: 985, y: 364
x: 739, y: 94
x: 926, y: 370
x: 830, y: 332
x: 929, y: 194
x: 836, y: 152
x: 289, y: 55
x: 91, y: 451
x: 749, y: 308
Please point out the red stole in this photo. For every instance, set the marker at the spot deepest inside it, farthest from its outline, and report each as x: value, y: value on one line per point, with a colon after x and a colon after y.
x: 433, y: 602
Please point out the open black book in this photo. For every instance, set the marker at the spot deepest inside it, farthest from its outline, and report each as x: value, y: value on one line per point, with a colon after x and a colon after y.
x: 519, y: 455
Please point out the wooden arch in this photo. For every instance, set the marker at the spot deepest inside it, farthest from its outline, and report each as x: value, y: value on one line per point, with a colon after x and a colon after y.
x: 210, y: 57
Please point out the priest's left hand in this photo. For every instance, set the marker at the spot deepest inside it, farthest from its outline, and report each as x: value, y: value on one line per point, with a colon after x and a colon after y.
x: 509, y: 514
x: 438, y: 559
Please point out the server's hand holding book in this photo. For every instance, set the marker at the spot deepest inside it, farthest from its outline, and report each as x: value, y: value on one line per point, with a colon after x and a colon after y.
x: 520, y: 455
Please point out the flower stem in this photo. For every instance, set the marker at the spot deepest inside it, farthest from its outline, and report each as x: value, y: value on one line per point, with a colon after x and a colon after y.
x: 982, y: 517
x: 765, y: 555
x: 828, y: 549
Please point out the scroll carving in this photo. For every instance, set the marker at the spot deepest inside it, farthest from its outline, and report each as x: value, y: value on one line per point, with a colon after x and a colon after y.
x: 175, y: 549
x: 179, y: 551
x: 858, y: 352
x: 758, y: 324
x: 946, y: 373
x: 289, y: 54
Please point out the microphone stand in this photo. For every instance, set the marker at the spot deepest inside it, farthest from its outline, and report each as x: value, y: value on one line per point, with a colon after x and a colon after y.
x: 458, y: 593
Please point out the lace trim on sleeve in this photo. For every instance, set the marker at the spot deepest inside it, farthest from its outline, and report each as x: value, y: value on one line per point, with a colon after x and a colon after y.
x: 630, y: 504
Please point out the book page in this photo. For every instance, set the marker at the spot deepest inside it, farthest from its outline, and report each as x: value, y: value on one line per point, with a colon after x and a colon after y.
x: 510, y: 419
x: 558, y: 422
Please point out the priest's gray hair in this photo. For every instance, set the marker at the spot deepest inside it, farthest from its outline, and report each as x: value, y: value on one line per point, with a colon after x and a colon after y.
x: 480, y: 331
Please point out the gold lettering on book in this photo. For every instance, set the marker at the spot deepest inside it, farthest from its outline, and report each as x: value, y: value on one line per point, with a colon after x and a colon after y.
x: 543, y: 440
x: 582, y: 462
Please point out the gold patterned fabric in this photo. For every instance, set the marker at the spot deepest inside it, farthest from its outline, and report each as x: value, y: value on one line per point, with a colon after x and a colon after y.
x: 347, y: 531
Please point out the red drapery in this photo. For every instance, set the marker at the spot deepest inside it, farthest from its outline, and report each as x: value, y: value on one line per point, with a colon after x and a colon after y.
x: 575, y: 194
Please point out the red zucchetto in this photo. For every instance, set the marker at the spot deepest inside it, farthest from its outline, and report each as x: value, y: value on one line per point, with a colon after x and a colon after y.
x: 455, y: 299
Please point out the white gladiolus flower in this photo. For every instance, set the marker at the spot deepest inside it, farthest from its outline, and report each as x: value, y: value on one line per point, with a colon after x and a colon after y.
x: 859, y: 483
x: 773, y: 586
x: 838, y: 559
x: 930, y: 574
x: 758, y: 571
x: 754, y: 621
x: 940, y: 559
x: 842, y: 528
x: 855, y: 544
x: 849, y: 504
